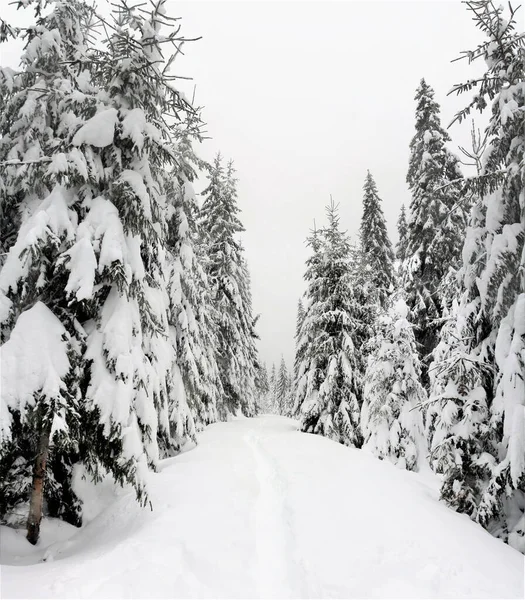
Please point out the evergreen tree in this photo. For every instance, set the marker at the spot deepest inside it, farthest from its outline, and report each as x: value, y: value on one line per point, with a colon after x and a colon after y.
x: 272, y: 393
x: 298, y: 334
x: 40, y: 274
x: 282, y: 389
x: 191, y: 316
x: 90, y: 243
x: 327, y: 392
x: 300, y: 317
x: 252, y: 364
x: 365, y: 314
x: 457, y: 429
x: 263, y: 389
x: 491, y: 315
x: 273, y: 377
x: 228, y: 276
x: 437, y: 222
x: 458, y: 436
x: 376, y: 249
x: 129, y: 344
x: 402, y: 232
x: 390, y: 419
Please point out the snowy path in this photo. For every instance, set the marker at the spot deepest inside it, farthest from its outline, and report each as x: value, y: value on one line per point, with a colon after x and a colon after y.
x: 272, y: 533
x: 259, y: 510
x: 279, y: 571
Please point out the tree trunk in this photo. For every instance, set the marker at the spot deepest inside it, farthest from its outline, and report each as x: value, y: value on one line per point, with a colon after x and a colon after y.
x: 37, y: 493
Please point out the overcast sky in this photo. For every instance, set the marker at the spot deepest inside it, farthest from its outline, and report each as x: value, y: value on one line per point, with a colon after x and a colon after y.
x: 305, y: 97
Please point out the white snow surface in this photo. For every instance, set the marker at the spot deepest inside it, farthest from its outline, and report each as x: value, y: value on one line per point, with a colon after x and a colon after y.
x: 260, y: 510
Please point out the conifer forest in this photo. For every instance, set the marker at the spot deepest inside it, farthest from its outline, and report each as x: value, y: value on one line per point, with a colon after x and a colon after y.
x: 148, y: 447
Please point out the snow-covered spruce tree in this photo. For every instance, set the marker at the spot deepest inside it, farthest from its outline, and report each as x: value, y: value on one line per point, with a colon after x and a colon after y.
x: 376, y: 250
x: 300, y: 317
x: 326, y: 398
x: 273, y: 382
x: 402, y: 232
x: 457, y: 429
x: 491, y: 315
x: 43, y: 275
x: 133, y: 365
x: 456, y: 416
x: 390, y: 417
x: 251, y: 361
x: 263, y: 389
x: 365, y: 312
x: 283, y: 389
x: 273, y: 376
x: 298, y: 329
x: 302, y: 340
x: 437, y: 222
x: 191, y: 316
x: 227, y: 274
x: 90, y: 242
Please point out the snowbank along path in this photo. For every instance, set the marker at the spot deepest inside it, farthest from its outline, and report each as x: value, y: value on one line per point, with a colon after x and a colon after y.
x: 259, y: 510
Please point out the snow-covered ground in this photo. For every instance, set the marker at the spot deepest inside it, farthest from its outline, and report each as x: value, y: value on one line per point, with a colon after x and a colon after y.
x: 261, y: 510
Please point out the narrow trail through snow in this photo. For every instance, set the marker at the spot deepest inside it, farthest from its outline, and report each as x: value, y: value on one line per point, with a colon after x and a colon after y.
x: 280, y: 573
x: 260, y: 510
x: 273, y: 537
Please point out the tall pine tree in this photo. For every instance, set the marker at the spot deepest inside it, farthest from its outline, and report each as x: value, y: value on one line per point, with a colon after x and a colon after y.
x: 283, y: 389
x: 326, y: 398
x: 263, y: 389
x: 45, y: 273
x: 228, y: 276
x: 491, y: 314
x: 402, y: 233
x: 196, y: 384
x: 376, y: 250
x: 89, y: 255
x: 298, y: 333
x: 437, y: 222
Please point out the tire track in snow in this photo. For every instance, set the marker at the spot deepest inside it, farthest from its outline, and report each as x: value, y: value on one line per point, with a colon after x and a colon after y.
x: 278, y: 575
